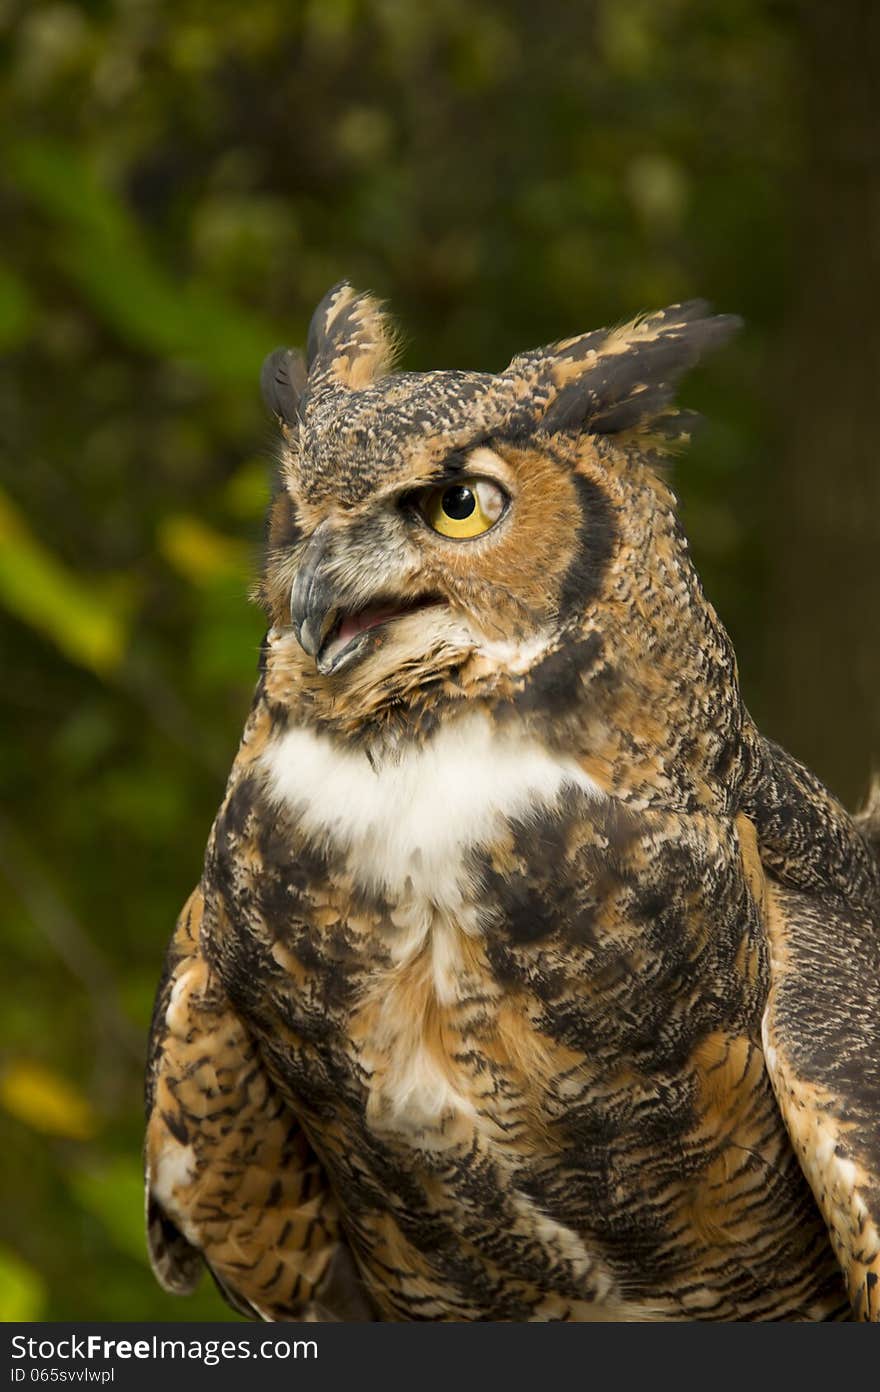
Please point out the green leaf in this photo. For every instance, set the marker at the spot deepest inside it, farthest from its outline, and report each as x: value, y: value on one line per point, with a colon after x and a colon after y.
x: 198, y: 552
x: 22, y: 1290
x: 113, y: 1192
x: 16, y: 309
x: 86, y: 623
x: 102, y: 250
x: 247, y: 492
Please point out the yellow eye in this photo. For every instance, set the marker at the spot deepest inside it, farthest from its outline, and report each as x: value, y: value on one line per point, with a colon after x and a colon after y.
x: 465, y: 509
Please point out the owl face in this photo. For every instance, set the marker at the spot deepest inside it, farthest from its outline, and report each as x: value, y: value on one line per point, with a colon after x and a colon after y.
x: 444, y: 528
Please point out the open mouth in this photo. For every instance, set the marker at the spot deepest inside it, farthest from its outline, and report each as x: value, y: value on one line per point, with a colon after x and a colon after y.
x: 356, y: 630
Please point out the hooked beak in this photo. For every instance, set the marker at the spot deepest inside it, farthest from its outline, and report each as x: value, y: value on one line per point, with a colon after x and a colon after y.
x: 312, y: 605
x: 328, y: 630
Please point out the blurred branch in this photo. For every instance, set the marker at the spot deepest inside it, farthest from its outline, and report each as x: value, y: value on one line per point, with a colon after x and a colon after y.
x: 31, y: 882
x: 144, y: 683
x: 103, y: 251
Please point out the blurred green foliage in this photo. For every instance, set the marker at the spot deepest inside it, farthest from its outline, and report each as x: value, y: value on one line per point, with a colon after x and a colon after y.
x: 181, y: 183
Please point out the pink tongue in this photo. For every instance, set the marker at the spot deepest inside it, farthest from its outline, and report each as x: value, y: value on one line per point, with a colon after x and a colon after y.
x: 353, y: 624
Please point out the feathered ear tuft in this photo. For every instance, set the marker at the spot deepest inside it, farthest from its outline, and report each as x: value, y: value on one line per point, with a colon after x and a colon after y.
x: 618, y: 380
x: 351, y: 339
x: 283, y: 383
x: 351, y: 342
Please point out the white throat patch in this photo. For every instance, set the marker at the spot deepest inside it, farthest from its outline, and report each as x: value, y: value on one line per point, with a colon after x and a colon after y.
x: 406, y: 827
x: 407, y: 823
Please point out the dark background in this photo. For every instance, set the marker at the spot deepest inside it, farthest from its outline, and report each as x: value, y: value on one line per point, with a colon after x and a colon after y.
x: 180, y: 183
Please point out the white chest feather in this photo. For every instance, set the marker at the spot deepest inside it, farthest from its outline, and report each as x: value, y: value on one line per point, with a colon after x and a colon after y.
x: 407, y: 823
x: 405, y: 827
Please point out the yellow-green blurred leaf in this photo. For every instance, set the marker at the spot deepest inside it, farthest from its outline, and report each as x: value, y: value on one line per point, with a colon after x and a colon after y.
x: 198, y: 552
x: 227, y: 639
x: 658, y: 188
x: 22, y: 1290
x: 45, y: 1101
x: 137, y: 995
x: 113, y: 1192
x: 102, y: 250
x: 86, y: 623
x: 247, y: 492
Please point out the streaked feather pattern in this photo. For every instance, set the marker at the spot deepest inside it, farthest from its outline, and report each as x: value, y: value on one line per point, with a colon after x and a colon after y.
x: 464, y: 1021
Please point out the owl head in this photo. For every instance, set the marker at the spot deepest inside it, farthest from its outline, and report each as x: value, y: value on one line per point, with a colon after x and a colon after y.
x: 449, y: 535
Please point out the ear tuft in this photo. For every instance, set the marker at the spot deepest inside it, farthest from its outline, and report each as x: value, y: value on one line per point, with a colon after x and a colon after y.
x: 283, y: 383
x: 617, y: 380
x: 351, y: 339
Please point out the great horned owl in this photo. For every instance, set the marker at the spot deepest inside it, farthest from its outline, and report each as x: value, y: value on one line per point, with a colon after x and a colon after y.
x: 525, y: 979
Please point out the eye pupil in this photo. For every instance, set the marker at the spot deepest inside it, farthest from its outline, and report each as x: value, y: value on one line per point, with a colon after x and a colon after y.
x: 458, y: 503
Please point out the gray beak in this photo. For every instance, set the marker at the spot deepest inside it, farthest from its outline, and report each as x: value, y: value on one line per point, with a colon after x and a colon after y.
x: 313, y: 607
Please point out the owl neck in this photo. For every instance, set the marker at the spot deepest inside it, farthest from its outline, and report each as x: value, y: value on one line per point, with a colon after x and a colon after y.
x: 647, y: 697
x: 642, y: 685
x: 669, y: 730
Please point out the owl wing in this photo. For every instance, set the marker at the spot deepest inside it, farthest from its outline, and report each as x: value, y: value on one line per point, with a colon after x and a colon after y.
x: 231, y: 1178
x: 821, y: 1034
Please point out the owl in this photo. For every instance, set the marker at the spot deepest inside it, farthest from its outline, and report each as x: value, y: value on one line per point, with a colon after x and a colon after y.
x: 525, y: 980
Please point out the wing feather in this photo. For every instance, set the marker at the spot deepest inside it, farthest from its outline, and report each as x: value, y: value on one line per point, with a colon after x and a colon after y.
x: 231, y: 1177
x: 821, y: 1033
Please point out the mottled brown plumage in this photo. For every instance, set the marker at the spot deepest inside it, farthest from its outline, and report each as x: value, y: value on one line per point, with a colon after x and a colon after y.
x: 465, y: 1020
